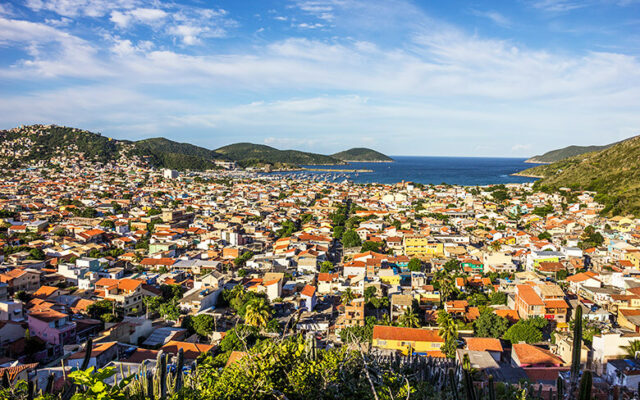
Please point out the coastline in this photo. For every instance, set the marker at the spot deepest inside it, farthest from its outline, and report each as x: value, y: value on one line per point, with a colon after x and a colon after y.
x: 527, y: 175
x: 533, y: 161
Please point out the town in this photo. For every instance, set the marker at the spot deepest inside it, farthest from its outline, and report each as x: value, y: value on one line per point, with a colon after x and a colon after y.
x: 146, y: 266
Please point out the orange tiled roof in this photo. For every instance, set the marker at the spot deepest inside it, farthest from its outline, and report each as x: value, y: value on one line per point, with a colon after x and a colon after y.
x: 383, y: 332
x: 484, y: 344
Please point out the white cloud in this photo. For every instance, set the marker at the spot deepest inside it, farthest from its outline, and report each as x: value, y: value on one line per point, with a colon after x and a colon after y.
x: 559, y: 5
x: 494, y: 16
x: 73, y: 8
x: 149, y: 16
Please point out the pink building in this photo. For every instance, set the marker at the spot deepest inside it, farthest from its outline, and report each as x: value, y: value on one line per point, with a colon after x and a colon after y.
x: 52, y: 326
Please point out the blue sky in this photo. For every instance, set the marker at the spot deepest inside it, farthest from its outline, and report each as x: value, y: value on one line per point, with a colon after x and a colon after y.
x: 508, y: 78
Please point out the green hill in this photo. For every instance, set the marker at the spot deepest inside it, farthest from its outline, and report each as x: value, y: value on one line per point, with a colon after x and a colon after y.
x: 43, y: 142
x: 566, y: 152
x: 169, y: 154
x: 361, y: 154
x: 614, y: 173
x: 252, y: 154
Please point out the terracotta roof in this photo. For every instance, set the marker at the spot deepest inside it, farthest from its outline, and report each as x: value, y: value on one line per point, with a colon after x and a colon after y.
x: 47, y: 315
x: 383, y: 332
x: 532, y: 355
x: 12, y: 372
x: 141, y: 354
x: 45, y: 291
x: 191, y: 350
x: 96, y: 350
x: 484, y: 344
x: 308, y: 291
x: 529, y: 296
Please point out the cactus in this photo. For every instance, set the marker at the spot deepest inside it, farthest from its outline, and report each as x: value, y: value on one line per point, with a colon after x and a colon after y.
x: 5, y: 380
x: 560, y: 388
x: 467, y: 379
x: 453, y: 383
x: 179, y: 366
x: 30, y: 390
x: 162, y: 375
x: 87, y: 354
x: 49, y: 387
x: 577, y: 345
x: 585, y: 386
x: 492, y: 389
x: 311, y: 346
x: 149, y: 381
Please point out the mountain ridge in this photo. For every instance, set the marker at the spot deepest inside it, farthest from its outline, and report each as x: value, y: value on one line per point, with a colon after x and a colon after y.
x: 613, y: 173
x: 41, y: 142
x: 362, y: 154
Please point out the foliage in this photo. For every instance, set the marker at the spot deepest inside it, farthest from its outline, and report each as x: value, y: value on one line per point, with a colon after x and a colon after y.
x: 359, y: 334
x: 326, y: 267
x: 372, y: 246
x: 498, y: 298
x: 488, y: 324
x: 590, y: 238
x: 409, y: 319
x: 258, y: 313
x: 449, y: 332
x: 351, y: 239
x: 242, y: 259
x: 93, y: 381
x: 203, y: 324
x: 526, y: 330
x: 415, y: 265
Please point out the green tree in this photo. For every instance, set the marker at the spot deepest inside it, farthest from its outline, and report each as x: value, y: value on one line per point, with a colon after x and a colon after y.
x: 498, y: 298
x: 169, y: 311
x: 326, y: 267
x: 36, y: 254
x: 258, y: 313
x: 632, y: 349
x: 445, y: 285
x: 488, y: 324
x: 347, y: 296
x: 409, y: 319
x: 107, y: 223
x: 448, y: 331
x: 526, y: 330
x: 415, y: 265
x: 203, y: 324
x: 372, y: 246
x: 351, y: 239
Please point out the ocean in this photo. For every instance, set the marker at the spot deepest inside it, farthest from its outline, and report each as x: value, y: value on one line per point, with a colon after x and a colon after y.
x: 467, y: 171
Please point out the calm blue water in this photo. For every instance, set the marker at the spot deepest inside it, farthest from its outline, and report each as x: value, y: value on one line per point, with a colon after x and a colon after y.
x: 466, y: 171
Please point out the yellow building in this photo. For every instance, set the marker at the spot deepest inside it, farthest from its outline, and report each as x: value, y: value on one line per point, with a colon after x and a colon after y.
x: 633, y: 257
x: 422, y: 247
x: 421, y: 341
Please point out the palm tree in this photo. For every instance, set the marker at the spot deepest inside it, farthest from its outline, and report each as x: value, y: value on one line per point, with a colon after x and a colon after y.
x: 446, y: 286
x: 448, y: 332
x: 258, y: 313
x: 409, y: 319
x: 632, y: 349
x: 347, y: 296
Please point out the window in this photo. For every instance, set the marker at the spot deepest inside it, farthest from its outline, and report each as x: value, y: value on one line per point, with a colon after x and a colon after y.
x: 382, y: 342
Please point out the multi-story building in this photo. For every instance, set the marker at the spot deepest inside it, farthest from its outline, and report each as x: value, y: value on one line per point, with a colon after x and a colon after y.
x: 52, y: 326
x: 126, y: 293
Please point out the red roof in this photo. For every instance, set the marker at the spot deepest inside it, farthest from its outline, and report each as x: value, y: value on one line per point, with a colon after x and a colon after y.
x: 308, y: 291
x: 383, y: 332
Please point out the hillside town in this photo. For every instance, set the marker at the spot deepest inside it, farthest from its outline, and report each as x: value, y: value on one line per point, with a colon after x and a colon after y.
x: 135, y: 261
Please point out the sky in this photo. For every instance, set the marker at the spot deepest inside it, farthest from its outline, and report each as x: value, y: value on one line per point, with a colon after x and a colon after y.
x: 435, y: 78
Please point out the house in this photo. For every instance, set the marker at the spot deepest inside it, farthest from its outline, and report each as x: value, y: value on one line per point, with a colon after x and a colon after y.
x: 52, y: 326
x: 45, y: 292
x: 127, y: 293
x: 625, y: 373
x: 11, y: 311
x: 353, y: 314
x: 528, y: 303
x: 17, y: 373
x: 21, y: 280
x: 529, y: 356
x: 491, y: 345
x: 101, y: 355
x: 308, y: 296
x: 191, y: 350
x: 415, y: 340
x: 10, y: 331
x: 610, y: 346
